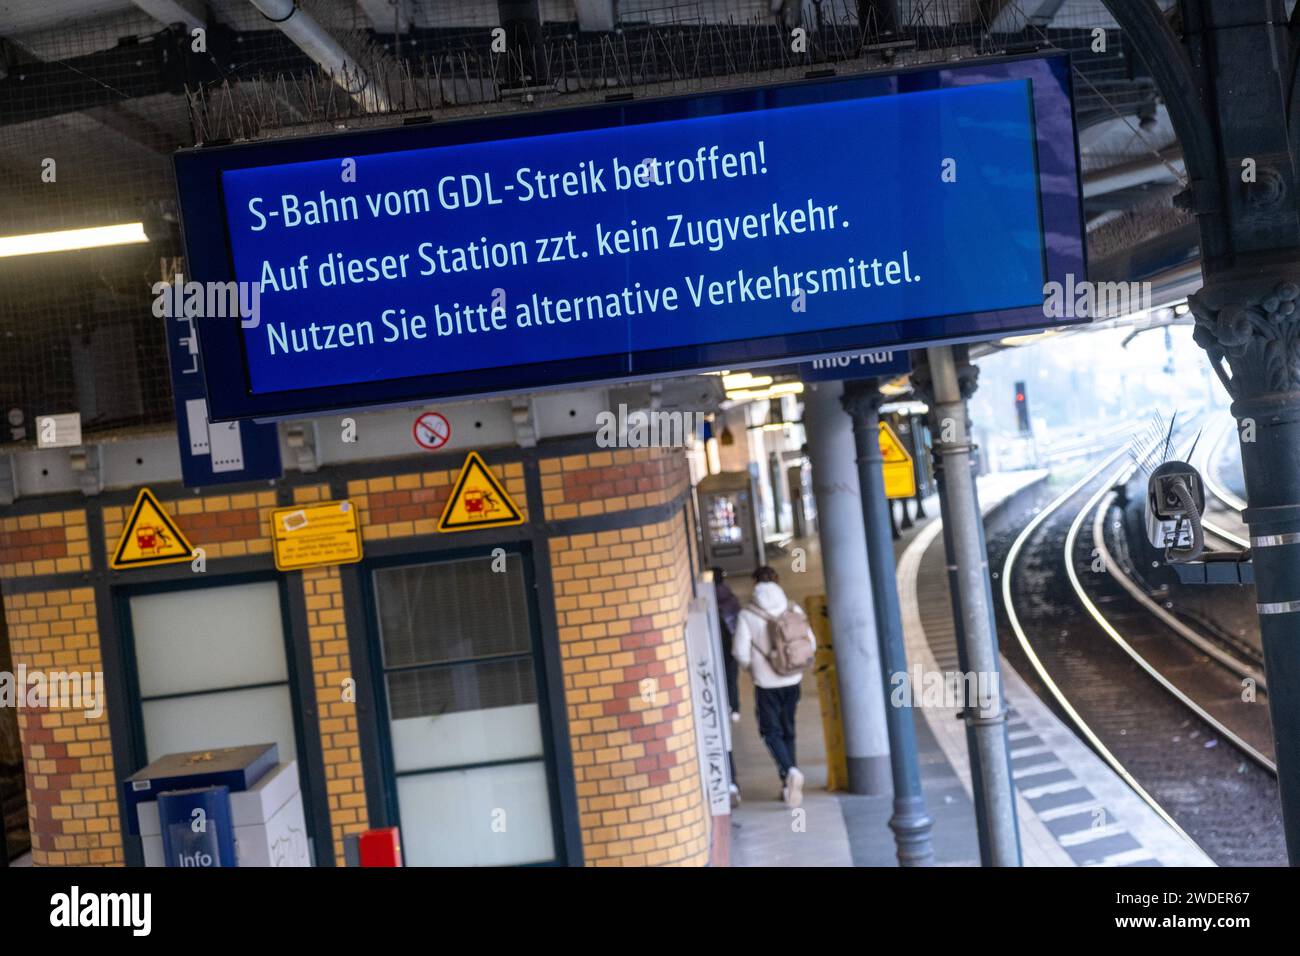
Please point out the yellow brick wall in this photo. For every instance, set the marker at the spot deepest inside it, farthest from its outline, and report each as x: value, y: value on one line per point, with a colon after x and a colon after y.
x: 621, y: 599
x: 50, y: 543
x: 335, y: 694
x: 335, y: 701
x: 398, y: 506
x: 621, y: 603
x: 67, y: 755
x: 605, y: 482
x: 224, y: 526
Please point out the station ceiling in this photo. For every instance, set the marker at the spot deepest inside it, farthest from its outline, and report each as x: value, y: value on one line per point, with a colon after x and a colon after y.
x: 96, y: 90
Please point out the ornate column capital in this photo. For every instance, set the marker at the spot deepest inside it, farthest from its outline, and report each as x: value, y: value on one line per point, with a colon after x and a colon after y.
x: 968, y: 379
x: 1248, y: 321
x: 862, y: 397
x: 968, y: 376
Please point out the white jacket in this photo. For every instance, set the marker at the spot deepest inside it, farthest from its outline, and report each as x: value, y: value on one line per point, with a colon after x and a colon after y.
x: 750, y: 645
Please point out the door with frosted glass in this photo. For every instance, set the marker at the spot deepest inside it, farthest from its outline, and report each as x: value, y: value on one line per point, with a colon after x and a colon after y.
x: 467, y: 745
x: 211, y: 669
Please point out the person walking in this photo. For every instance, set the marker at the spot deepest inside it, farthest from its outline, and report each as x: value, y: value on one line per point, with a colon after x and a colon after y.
x: 775, y: 643
x: 728, y: 614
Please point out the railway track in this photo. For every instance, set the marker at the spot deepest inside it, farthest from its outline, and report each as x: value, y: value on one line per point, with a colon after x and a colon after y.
x: 1225, y: 428
x: 1223, y: 506
x: 1160, y: 701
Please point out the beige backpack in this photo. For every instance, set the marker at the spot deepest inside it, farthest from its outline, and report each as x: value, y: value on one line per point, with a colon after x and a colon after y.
x: 789, y: 650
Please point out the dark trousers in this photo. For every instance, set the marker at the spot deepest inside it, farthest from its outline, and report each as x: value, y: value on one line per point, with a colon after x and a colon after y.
x: 776, y: 708
x: 733, y: 689
x: 733, y: 672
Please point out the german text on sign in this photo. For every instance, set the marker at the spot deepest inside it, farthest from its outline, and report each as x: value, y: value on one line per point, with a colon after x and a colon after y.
x: 580, y: 245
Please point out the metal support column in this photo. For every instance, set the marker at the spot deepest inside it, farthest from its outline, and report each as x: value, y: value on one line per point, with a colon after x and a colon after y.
x: 1245, y: 322
x: 921, y: 385
x: 844, y: 563
x: 1231, y: 90
x: 986, y: 716
x: 911, y: 821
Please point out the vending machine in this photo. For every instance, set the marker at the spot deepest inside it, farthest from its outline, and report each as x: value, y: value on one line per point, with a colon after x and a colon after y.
x: 729, y: 522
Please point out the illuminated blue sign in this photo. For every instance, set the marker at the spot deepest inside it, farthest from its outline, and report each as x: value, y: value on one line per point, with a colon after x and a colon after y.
x: 636, y: 239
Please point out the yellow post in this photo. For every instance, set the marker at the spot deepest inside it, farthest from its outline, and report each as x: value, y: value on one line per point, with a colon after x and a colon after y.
x: 828, y: 693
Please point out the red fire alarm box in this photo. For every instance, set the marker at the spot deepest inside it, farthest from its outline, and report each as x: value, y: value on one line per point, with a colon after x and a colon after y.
x: 381, y: 847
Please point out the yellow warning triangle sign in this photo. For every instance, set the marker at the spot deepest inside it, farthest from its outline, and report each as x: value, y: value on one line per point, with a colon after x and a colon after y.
x: 897, y: 471
x: 478, y: 500
x: 891, y: 449
x: 150, y: 537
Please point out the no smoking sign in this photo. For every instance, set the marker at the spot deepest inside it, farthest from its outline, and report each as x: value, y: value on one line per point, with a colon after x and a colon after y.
x: 431, y: 431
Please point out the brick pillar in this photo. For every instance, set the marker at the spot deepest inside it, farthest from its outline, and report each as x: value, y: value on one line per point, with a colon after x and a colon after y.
x: 621, y: 599
x: 67, y: 753
x: 331, y: 663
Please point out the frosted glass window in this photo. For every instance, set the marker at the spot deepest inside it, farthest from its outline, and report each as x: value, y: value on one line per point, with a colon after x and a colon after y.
x: 212, y: 670
x: 457, y: 645
x: 262, y: 715
x: 487, y: 816
x: 205, y: 638
x: 476, y: 736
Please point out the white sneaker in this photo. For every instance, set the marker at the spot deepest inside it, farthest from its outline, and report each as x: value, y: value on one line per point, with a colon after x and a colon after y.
x: 735, y: 717
x: 735, y: 796
x: 793, y: 792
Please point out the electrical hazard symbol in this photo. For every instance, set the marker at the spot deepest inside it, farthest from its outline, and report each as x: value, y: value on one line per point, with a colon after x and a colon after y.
x: 478, y: 500
x: 899, y: 475
x: 150, y: 537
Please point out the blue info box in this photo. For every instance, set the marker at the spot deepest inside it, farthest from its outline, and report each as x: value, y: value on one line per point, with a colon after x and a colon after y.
x: 236, y: 768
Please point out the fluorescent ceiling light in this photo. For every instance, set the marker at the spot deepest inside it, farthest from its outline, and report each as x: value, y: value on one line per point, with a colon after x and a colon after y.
x: 68, y: 239
x: 905, y: 408
x: 1030, y: 338
x: 758, y: 395
x: 745, y: 380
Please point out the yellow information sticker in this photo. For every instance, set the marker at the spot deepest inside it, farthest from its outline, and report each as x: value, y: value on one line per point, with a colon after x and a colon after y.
x: 316, y: 535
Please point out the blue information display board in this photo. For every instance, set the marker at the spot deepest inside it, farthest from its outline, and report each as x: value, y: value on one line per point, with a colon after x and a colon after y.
x: 635, y: 239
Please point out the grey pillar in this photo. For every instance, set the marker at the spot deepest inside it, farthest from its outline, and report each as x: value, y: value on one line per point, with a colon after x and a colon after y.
x: 923, y: 387
x: 986, y: 716
x: 844, y: 564
x: 911, y: 821
x: 954, y: 594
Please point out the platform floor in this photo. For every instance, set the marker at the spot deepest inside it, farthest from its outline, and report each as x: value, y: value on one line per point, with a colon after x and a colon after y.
x: 1073, y: 809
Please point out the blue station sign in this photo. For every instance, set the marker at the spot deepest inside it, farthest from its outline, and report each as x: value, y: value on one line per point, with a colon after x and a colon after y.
x: 618, y: 241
